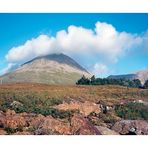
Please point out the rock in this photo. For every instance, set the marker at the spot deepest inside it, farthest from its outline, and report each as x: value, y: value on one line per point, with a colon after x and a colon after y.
x: 96, y: 120
x: 81, y: 126
x: 35, y: 121
x: 13, y: 120
x: 44, y: 132
x: 10, y: 112
x: 16, y: 104
x: 49, y: 125
x: 3, y: 132
x: 56, y: 126
x: 23, y: 133
x: 131, y: 127
x: 106, y: 131
x: 2, y: 119
x: 85, y: 108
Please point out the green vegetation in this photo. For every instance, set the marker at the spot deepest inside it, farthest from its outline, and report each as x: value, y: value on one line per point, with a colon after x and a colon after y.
x: 146, y: 84
x: 54, y: 112
x: 32, y: 102
x: 107, y: 81
x: 132, y: 111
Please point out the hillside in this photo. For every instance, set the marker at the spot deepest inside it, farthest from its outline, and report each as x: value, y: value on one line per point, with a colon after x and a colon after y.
x: 142, y: 75
x: 49, y: 69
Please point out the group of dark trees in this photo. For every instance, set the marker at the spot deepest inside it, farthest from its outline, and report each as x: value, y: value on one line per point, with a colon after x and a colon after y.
x: 108, y: 81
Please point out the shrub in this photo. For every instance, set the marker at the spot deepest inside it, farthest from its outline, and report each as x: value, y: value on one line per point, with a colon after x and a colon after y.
x: 136, y: 83
x: 146, y: 84
x: 54, y: 112
x: 132, y: 111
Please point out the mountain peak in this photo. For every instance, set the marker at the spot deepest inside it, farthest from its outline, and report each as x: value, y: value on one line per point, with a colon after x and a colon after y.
x: 60, y: 58
x: 56, y: 68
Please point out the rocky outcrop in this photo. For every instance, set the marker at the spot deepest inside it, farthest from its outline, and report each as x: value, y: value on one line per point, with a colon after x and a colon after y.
x: 55, y: 126
x: 78, y: 124
x: 11, y: 120
x: 23, y: 133
x: 131, y: 127
x: 14, y: 121
x: 106, y: 131
x: 84, y: 108
x: 81, y: 126
x: 48, y: 125
x: 3, y: 132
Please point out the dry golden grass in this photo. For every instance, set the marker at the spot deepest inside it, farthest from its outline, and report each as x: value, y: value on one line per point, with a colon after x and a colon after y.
x: 108, y: 94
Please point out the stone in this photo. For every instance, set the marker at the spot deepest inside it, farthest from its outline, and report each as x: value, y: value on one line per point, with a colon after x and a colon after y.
x: 13, y: 120
x: 48, y: 125
x: 16, y: 104
x: 56, y: 126
x: 131, y: 127
x: 85, y: 108
x: 3, y: 132
x: 81, y: 126
x: 10, y: 112
x: 23, y: 133
x: 106, y: 131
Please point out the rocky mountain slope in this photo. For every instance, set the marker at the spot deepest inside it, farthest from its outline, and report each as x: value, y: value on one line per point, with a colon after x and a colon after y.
x: 142, y: 75
x: 50, y: 69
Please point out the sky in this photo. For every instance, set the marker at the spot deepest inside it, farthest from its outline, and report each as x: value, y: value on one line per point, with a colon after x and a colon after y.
x: 104, y: 44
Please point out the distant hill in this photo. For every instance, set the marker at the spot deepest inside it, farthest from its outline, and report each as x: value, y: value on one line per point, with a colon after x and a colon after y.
x: 142, y: 75
x: 49, y: 69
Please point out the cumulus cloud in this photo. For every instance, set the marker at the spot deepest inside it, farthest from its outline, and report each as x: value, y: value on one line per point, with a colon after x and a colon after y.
x: 100, y: 69
x: 103, y: 42
x: 145, y: 41
x: 10, y: 67
x: 41, y: 45
x: 103, y: 39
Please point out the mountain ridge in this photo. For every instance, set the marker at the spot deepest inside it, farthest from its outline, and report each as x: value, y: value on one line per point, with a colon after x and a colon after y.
x: 49, y: 69
x: 142, y: 75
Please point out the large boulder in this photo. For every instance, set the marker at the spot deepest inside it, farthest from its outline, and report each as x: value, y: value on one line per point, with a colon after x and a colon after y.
x: 49, y: 125
x: 81, y: 126
x: 2, y: 119
x: 11, y: 120
x: 55, y: 125
x: 106, y: 131
x: 23, y: 133
x: 131, y: 127
x: 85, y: 108
x: 3, y: 132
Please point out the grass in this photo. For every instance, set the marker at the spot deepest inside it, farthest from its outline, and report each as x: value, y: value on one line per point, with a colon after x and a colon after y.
x: 41, y: 98
x: 132, y: 111
x: 51, y: 94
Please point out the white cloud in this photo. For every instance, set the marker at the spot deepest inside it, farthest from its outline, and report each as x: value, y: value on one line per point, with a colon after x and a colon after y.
x: 9, y: 68
x: 37, y: 46
x: 100, y: 69
x: 102, y: 42
x: 145, y: 41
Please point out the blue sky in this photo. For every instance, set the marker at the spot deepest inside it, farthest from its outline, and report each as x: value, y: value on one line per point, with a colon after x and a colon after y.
x: 17, y: 29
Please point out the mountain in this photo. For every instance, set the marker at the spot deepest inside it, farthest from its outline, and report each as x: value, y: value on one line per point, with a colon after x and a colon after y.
x: 49, y: 69
x: 142, y: 75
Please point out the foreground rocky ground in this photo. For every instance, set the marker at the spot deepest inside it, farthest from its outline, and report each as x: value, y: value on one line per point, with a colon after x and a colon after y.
x: 88, y: 121
x: 37, y: 110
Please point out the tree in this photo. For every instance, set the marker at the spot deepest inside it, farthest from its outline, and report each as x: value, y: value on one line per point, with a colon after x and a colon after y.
x: 92, y: 80
x: 146, y: 84
x: 83, y: 81
x: 137, y: 83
